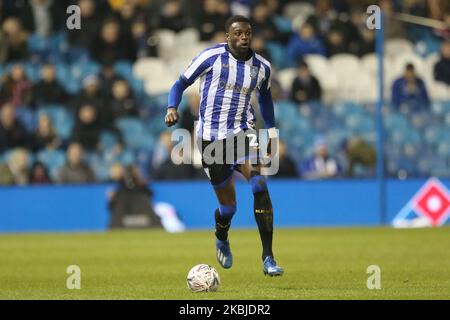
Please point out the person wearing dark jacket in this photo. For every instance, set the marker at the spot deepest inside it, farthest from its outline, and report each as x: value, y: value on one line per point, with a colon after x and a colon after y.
x: 111, y: 45
x: 12, y: 132
x: 91, y: 24
x: 287, y: 166
x: 442, y: 67
x: 87, y: 128
x: 48, y: 90
x: 75, y: 170
x: 13, y: 41
x: 131, y: 204
x: 42, y: 17
x: 122, y: 103
x: 410, y: 91
x: 305, y: 86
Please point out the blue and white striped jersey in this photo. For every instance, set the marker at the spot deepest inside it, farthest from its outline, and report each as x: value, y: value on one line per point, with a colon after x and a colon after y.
x: 226, y: 85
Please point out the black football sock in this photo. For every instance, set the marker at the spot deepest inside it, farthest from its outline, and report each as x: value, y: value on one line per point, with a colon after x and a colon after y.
x: 223, y: 222
x: 264, y: 218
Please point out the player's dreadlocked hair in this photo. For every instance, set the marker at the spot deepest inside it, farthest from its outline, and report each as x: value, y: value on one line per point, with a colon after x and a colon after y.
x: 234, y: 19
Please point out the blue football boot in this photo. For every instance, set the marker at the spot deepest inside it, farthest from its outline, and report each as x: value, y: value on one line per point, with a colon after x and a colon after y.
x: 223, y: 252
x: 270, y: 267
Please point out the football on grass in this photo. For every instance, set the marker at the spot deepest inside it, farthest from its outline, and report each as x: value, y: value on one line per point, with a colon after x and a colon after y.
x: 203, y: 278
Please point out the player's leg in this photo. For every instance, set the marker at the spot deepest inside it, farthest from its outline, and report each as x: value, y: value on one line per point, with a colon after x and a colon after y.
x: 223, y: 215
x: 227, y: 208
x: 263, y: 211
x: 221, y: 178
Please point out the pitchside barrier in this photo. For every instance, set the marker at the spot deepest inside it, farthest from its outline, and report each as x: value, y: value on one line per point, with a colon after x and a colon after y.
x: 296, y: 203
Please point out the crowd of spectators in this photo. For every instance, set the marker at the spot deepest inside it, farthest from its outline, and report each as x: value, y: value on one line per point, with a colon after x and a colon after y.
x: 118, y: 30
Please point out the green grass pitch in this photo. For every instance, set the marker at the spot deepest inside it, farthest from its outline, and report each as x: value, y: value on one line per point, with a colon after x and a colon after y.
x: 319, y: 264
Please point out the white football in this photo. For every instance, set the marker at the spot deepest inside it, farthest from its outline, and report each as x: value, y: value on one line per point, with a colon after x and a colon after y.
x: 203, y: 278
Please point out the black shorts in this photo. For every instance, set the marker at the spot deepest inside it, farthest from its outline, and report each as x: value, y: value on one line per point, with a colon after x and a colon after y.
x: 221, y: 157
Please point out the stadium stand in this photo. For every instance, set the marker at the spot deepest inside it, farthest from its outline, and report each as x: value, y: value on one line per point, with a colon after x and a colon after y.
x: 417, y: 144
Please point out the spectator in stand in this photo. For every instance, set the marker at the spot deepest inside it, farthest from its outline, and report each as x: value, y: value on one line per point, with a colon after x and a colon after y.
x: 335, y: 43
x: 321, y: 165
x: 303, y: 42
x: 442, y: 67
x: 87, y: 128
x: 393, y: 28
x: 259, y: 46
x: 287, y: 166
x: 48, y: 90
x: 106, y: 79
x: 122, y: 103
x: 12, y: 132
x: 409, y: 91
x: 171, y: 16
x: 112, y: 44
x: 190, y: 114
x: 43, y: 17
x: 75, y: 170
x: 45, y: 136
x: 92, y: 95
x: 358, y: 152
x: 146, y: 43
x: 127, y: 14
x: 132, y: 198
x: 16, y: 88
x: 91, y: 24
x: 16, y: 171
x: 39, y: 174
x: 305, y: 86
x: 162, y: 150
x: 264, y: 26
x: 367, y: 43
x: 163, y: 167
x: 324, y: 17
x: 212, y: 18
x: 13, y: 41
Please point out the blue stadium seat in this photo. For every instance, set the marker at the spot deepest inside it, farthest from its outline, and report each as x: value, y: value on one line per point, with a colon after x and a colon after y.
x: 126, y: 157
x: 77, y: 54
x: 285, y: 110
x: 27, y: 117
x: 283, y: 24
x: 125, y: 69
x: 278, y: 55
x: 137, y: 85
x: 396, y: 121
x: 108, y: 140
x: 4, y: 158
x: 98, y: 165
x: 37, y: 43
x: 53, y: 159
x: 62, y: 120
x: 133, y: 131
x: 80, y: 70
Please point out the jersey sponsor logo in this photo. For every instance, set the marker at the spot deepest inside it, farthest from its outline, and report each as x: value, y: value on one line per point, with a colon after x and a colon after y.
x: 254, y: 72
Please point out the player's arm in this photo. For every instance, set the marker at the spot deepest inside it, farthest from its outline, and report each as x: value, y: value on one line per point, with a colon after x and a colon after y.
x: 267, y: 111
x: 175, y: 95
x: 197, y: 67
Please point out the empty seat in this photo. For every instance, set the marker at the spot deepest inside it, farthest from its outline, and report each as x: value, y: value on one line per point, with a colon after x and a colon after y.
x: 188, y: 36
x: 147, y: 67
x: 398, y: 46
x: 125, y: 69
x: 286, y: 77
x: 53, y: 159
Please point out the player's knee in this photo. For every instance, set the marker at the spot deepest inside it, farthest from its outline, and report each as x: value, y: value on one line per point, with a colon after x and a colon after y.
x: 227, y: 211
x: 258, y: 183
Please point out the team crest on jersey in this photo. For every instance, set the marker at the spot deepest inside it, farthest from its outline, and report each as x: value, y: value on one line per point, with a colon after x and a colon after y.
x: 254, y: 71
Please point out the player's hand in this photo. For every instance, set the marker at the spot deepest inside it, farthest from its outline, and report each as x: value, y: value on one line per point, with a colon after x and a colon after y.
x: 172, y: 116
